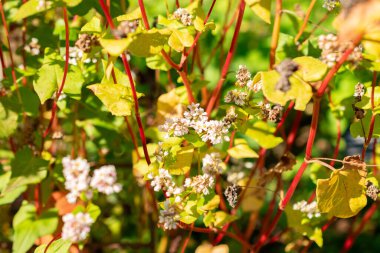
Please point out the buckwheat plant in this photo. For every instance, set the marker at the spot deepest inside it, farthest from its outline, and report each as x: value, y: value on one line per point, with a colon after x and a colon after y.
x: 189, y: 126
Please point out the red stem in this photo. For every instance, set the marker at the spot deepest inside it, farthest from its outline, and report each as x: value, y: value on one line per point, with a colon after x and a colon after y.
x: 372, y: 124
x: 338, y: 137
x: 232, y: 138
x: 66, y: 69
x: 352, y: 237
x: 275, y: 34
x: 187, y: 239
x: 305, y: 21
x: 134, y: 141
x: 2, y: 61
x: 218, y: 88
x: 9, y: 45
x: 293, y: 132
x: 374, y: 156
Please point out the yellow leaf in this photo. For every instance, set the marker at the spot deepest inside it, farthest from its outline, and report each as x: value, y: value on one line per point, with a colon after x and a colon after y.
x: 254, y: 196
x: 241, y: 150
x: 343, y: 194
x: 183, y: 161
x: 261, y: 8
x: 169, y: 105
x: 113, y: 46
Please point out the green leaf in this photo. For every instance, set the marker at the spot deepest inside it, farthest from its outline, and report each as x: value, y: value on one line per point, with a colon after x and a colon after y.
x: 72, y: 3
x: 92, y: 26
x: 116, y: 97
x: 148, y: 43
x: 94, y: 211
x: 28, y: 226
x: 310, y: 68
x: 262, y: 133
x: 356, y: 128
x: 31, y: 8
x: 366, y: 103
x: 188, y: 219
x: 58, y: 246
x: 241, y: 150
x: 49, y: 77
x: 115, y: 47
x: 180, y: 39
x: 261, y: 8
x: 184, y: 158
x: 10, y: 196
x: 121, y: 77
x: 299, y: 89
x: 26, y: 169
x: 343, y: 194
x: 157, y: 62
x: 296, y: 220
x: 8, y: 121
x: 209, y: 219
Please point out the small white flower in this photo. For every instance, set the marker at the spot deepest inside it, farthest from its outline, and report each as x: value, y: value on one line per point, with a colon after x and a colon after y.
x: 105, y: 180
x: 311, y: 210
x: 161, y: 181
x: 177, y: 126
x: 183, y: 15
x: 200, y: 183
x: 243, y: 76
x: 76, y: 227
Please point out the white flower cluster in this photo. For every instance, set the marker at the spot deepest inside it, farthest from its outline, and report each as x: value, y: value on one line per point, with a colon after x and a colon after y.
x: 310, y: 209
x: 332, y: 50
x: 33, y: 47
x: 211, y: 164
x: 164, y: 181
x: 78, y: 180
x: 43, y: 4
x: 76, y: 227
x: 76, y: 54
x: 232, y: 193
x: 236, y: 96
x: 243, y: 76
x: 195, y: 118
x: 160, y: 153
x: 168, y: 216
x: 183, y: 15
x: 330, y: 4
x: 359, y: 91
x: 200, y: 183
x: 211, y: 167
x: 104, y: 180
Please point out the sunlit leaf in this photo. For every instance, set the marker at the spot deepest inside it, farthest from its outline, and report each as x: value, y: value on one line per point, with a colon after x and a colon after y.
x: 184, y: 158
x: 92, y: 26
x: 58, y: 246
x: 241, y: 150
x: 261, y: 8
x: 343, y: 195
x: 8, y: 121
x: 262, y: 133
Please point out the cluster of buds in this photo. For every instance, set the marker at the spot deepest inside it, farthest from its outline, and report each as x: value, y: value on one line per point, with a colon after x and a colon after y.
x: 33, y: 47
x: 169, y: 216
x: 243, y: 76
x: 330, y: 4
x: 232, y: 193
x: 86, y: 42
x: 230, y: 117
x: 358, y: 94
x: 126, y: 27
x: 271, y: 113
x: 236, y: 96
x: 195, y: 118
x: 286, y: 69
x: 311, y: 209
x: 184, y: 16
x: 76, y: 227
x: 372, y: 191
x: 333, y: 49
x: 78, y: 180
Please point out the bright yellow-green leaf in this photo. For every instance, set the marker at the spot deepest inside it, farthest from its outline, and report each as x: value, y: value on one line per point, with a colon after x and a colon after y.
x: 241, y: 150
x: 148, y: 43
x: 157, y: 62
x: 299, y: 90
x: 343, y: 194
x: 116, y: 97
x: 92, y: 26
x: 169, y: 105
x: 57, y: 246
x: 262, y: 133
x: 183, y: 161
x: 132, y: 15
x: 180, y: 39
x: 356, y: 128
x: 31, y: 8
x: 222, y: 218
x: 121, y: 77
x: 8, y: 121
x: 72, y: 3
x: 211, y: 204
x: 261, y: 8
x: 310, y: 68
x: 115, y: 47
